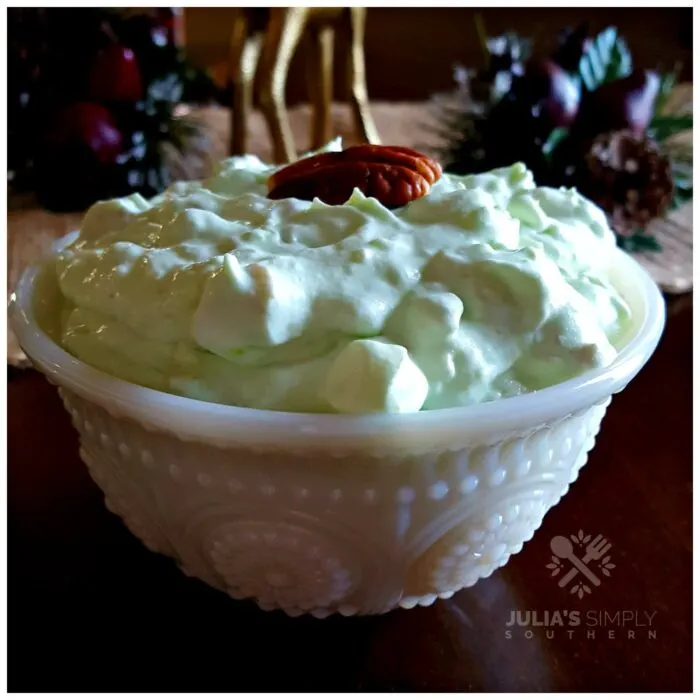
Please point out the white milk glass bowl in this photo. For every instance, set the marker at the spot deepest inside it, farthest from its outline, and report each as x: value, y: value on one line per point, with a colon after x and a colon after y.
x: 335, y: 513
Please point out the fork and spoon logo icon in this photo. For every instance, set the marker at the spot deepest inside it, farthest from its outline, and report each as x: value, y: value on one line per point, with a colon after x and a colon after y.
x: 595, y: 549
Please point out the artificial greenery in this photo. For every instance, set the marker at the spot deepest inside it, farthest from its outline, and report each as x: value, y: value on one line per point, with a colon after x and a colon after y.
x: 607, y: 58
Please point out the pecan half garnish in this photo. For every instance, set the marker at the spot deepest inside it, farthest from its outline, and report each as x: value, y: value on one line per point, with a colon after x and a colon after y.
x: 394, y: 175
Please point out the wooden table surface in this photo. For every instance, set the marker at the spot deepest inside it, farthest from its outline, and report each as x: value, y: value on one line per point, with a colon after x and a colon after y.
x: 90, y: 609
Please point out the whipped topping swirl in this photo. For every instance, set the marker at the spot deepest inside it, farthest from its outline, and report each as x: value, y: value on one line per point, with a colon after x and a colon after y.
x: 487, y: 287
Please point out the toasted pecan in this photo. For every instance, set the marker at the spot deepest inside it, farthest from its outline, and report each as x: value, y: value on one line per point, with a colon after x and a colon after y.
x: 394, y: 175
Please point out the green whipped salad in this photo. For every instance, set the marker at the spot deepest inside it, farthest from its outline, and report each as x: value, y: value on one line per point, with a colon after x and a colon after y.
x: 487, y: 287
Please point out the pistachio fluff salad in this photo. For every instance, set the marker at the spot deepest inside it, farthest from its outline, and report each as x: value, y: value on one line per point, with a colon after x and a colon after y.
x: 486, y: 287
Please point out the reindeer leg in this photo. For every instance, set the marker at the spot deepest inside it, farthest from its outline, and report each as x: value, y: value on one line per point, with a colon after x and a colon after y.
x: 320, y: 82
x: 245, y: 51
x: 355, y: 27
x: 283, y: 34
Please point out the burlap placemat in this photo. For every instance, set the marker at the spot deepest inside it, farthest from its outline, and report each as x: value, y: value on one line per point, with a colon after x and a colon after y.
x: 31, y: 230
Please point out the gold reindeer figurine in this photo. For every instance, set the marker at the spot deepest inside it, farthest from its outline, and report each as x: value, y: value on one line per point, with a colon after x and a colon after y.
x: 263, y: 42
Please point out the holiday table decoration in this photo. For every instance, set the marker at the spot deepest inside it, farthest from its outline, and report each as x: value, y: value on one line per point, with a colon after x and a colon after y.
x: 262, y: 45
x: 584, y: 117
x: 95, y: 103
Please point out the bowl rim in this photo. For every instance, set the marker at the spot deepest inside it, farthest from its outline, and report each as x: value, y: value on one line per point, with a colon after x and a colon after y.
x: 193, y: 419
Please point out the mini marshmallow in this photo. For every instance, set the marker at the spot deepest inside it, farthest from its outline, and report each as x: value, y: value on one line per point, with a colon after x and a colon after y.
x: 374, y: 376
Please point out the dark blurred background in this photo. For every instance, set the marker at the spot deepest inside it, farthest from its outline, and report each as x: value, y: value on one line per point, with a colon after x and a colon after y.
x: 101, y: 100
x: 410, y: 51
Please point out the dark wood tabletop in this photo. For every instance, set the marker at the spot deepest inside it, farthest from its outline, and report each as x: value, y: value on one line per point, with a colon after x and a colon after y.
x: 90, y: 609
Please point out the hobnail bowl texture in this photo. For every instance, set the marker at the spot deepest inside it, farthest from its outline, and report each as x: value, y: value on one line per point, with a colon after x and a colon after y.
x: 354, y: 534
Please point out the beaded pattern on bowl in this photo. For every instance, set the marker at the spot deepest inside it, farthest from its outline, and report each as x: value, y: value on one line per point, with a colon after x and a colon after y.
x: 353, y: 535
x: 518, y: 481
x: 282, y: 566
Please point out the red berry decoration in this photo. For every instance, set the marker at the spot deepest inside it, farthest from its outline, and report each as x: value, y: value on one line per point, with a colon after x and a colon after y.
x: 115, y: 76
x: 77, y: 160
x: 627, y: 103
x: 86, y: 125
x: 551, y: 91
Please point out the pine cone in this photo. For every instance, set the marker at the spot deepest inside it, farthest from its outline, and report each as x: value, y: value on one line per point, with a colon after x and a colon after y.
x: 629, y: 177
